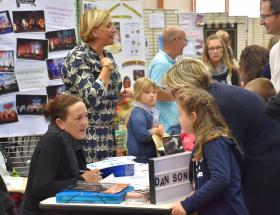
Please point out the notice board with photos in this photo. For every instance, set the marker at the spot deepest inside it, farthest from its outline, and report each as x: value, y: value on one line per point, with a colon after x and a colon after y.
x: 36, y: 36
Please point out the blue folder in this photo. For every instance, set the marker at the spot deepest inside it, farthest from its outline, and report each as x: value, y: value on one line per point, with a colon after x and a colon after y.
x: 80, y: 196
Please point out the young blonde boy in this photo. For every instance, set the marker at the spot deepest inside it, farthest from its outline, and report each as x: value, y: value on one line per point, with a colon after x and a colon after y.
x: 262, y: 87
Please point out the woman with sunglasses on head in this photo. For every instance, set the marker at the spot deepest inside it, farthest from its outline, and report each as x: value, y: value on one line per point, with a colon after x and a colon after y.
x: 58, y: 158
x: 215, y: 56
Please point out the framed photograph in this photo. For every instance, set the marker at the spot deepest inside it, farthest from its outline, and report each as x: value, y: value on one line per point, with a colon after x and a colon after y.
x: 29, y: 21
x: 54, y: 67
x: 7, y: 61
x: 30, y: 104
x: 138, y: 73
x: 8, y: 113
x: 61, y: 40
x: 31, y: 2
x: 5, y: 22
x: 172, y: 144
x: 89, y: 6
x: 8, y: 83
x: 32, y: 49
x: 54, y: 91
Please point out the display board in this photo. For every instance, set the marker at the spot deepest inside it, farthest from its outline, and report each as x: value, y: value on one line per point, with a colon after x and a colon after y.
x: 35, y: 36
x: 129, y: 47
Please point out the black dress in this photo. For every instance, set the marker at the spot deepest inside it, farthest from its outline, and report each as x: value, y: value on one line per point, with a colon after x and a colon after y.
x: 7, y: 206
x: 50, y: 171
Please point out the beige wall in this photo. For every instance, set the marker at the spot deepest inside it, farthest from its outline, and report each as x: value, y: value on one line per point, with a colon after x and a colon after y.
x: 149, y: 4
x: 181, y: 5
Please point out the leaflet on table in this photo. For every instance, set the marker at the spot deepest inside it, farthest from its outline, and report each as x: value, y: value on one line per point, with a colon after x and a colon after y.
x: 112, y: 161
x: 139, y: 182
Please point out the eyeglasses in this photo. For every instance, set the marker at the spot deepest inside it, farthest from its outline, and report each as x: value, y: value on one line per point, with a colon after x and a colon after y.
x: 183, y: 38
x: 212, y: 49
x: 262, y: 16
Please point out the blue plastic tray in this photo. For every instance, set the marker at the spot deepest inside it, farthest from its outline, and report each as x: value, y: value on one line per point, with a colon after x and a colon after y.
x: 73, y: 196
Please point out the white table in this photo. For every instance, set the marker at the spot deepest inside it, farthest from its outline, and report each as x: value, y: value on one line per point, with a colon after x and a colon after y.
x: 50, y: 205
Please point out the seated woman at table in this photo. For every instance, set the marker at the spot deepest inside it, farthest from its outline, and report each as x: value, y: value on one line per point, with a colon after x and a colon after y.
x: 59, y: 156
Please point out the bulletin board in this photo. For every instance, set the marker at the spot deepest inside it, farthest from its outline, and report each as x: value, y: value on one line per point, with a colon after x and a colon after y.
x: 129, y: 47
x: 35, y: 36
x: 249, y: 30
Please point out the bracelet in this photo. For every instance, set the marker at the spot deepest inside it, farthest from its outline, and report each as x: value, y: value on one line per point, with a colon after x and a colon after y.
x: 102, y: 82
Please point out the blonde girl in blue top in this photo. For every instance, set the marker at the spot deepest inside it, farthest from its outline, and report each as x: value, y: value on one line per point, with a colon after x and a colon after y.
x: 216, y: 172
x: 143, y: 121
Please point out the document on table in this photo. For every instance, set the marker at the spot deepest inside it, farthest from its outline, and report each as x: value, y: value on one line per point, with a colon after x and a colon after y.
x: 140, y: 180
x: 112, y: 161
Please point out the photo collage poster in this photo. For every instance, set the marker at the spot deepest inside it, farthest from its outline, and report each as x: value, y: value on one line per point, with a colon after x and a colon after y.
x: 35, y: 37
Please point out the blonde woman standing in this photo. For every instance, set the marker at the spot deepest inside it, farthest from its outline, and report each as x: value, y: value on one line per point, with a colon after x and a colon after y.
x: 90, y: 72
x: 255, y: 132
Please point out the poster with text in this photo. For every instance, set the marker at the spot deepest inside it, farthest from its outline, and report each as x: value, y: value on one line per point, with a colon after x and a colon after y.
x: 129, y: 42
x: 194, y: 33
x: 32, y: 78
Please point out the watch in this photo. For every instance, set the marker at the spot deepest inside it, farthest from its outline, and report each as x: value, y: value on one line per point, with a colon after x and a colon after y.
x: 107, y: 62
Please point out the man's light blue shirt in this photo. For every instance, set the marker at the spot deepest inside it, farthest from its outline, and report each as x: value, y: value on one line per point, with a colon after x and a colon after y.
x: 169, y: 112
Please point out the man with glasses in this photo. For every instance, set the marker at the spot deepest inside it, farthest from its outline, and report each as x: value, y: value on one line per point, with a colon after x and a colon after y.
x: 270, y: 18
x: 174, y: 41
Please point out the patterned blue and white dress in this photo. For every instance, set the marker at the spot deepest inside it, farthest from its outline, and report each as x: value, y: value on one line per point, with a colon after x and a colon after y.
x: 80, y: 73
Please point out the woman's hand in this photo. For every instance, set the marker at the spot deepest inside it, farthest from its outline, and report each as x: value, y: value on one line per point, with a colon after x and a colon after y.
x: 106, y: 62
x: 107, y: 67
x: 92, y: 175
x: 177, y: 209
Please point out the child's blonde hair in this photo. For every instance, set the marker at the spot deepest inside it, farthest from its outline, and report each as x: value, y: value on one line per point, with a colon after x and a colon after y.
x: 262, y: 87
x: 141, y: 85
x: 209, y: 123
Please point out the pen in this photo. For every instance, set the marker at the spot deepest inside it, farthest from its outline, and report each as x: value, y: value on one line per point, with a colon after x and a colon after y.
x: 82, y: 171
